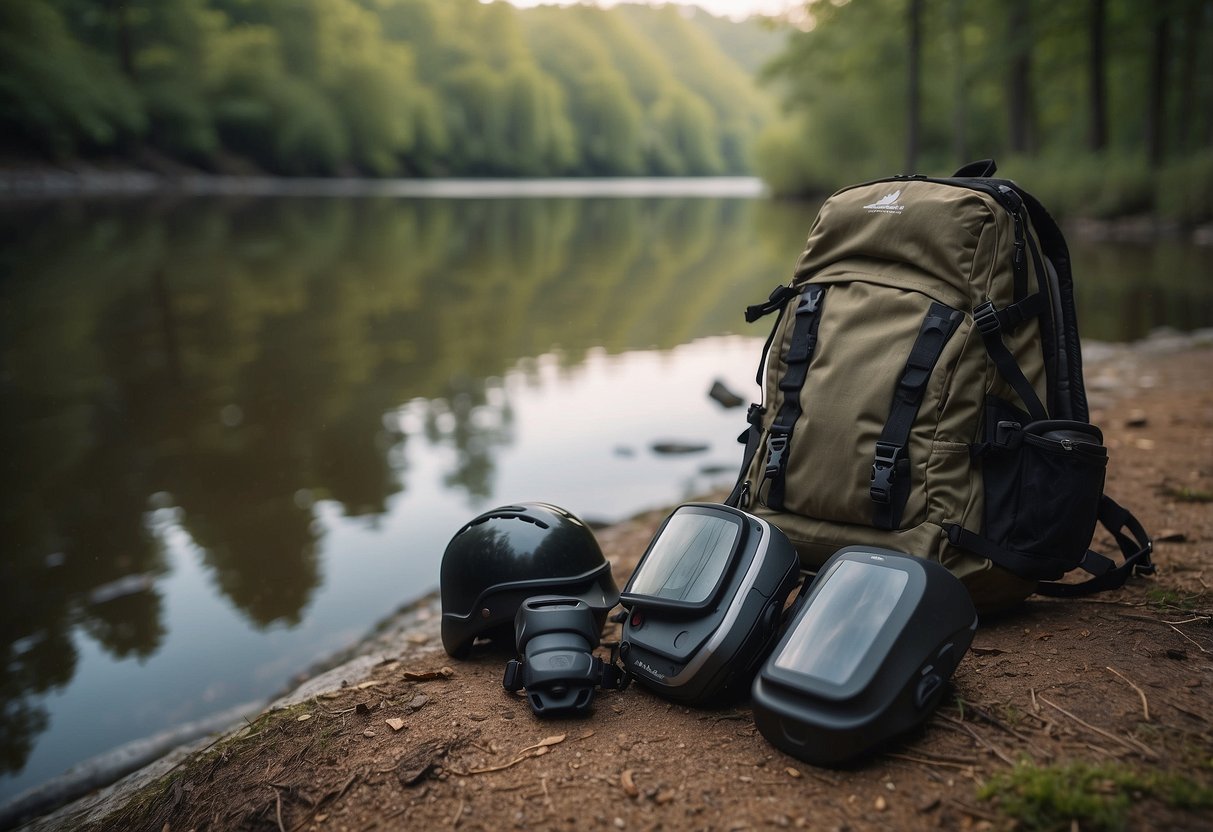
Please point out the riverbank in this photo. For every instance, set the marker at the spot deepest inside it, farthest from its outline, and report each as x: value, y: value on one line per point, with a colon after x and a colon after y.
x: 1114, y: 689
x: 26, y: 184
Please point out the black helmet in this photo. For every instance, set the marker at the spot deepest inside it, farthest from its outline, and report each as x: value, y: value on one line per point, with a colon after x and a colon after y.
x: 512, y: 553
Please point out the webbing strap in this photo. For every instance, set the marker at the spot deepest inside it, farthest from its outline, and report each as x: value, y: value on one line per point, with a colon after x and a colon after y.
x: 799, y: 354
x: 1135, y: 546
x: 990, y: 324
x: 751, y: 437
x: 890, y: 481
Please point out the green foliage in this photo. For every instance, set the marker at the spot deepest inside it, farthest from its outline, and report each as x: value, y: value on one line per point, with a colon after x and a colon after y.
x: 55, y: 92
x: 1097, y: 797
x: 1185, y: 189
x: 845, y: 81
x: 382, y: 87
x: 1100, y: 186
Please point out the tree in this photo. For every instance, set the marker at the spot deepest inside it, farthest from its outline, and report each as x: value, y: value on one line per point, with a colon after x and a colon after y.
x: 1019, y: 78
x: 913, y: 71
x: 1097, y: 37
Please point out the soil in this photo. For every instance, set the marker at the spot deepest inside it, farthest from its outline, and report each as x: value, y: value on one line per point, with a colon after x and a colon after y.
x: 1120, y: 682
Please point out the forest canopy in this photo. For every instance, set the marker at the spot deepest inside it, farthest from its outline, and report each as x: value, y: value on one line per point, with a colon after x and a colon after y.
x: 382, y: 87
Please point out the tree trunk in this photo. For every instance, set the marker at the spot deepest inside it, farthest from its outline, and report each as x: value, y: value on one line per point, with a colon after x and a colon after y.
x: 1019, y: 94
x: 1098, y: 135
x: 913, y: 103
x: 120, y: 14
x: 960, y: 104
x: 1156, y: 96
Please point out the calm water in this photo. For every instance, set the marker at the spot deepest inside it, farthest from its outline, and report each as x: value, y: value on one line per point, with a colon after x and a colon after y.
x: 237, y: 432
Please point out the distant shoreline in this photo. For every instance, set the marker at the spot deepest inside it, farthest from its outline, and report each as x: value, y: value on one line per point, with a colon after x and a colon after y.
x: 46, y: 183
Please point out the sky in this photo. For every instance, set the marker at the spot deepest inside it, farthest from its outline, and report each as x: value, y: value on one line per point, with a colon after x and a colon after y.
x: 735, y: 9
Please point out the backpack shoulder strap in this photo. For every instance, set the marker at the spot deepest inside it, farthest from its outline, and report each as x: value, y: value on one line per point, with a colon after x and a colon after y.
x: 1065, y: 327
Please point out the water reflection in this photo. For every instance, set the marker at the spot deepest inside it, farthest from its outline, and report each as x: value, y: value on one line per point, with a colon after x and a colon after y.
x: 225, y: 358
x: 248, y: 366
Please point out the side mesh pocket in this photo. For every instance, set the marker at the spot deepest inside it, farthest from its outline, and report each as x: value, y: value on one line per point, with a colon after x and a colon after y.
x: 1043, y: 481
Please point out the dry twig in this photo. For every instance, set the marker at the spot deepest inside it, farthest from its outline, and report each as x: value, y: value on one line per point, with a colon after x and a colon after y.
x: 1145, y: 704
x: 1133, y: 745
x: 968, y: 729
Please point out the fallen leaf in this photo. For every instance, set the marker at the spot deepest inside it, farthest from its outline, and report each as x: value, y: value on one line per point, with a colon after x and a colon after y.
x: 395, y: 722
x: 987, y: 651
x: 555, y: 739
x: 370, y: 683
x: 628, y: 784
x: 427, y: 675
x: 414, y: 767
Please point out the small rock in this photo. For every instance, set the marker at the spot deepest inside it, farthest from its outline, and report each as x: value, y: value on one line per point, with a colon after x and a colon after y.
x: 619, y: 823
x: 368, y: 733
x: 395, y: 723
x: 416, y: 703
x: 793, y: 772
x: 880, y: 804
x: 675, y: 448
x: 724, y: 396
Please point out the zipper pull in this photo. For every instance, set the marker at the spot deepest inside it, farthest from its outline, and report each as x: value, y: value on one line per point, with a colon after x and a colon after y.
x: 1014, y: 204
x: 1068, y: 444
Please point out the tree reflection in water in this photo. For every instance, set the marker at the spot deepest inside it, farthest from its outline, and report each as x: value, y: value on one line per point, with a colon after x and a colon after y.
x: 241, y: 360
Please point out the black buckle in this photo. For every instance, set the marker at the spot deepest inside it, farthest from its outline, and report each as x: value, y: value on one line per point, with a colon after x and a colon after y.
x: 1145, y: 566
x: 777, y: 446
x: 809, y: 301
x: 1008, y: 434
x: 986, y: 318
x: 884, y: 471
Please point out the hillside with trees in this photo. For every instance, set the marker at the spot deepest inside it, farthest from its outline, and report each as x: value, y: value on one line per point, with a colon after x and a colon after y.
x: 381, y: 87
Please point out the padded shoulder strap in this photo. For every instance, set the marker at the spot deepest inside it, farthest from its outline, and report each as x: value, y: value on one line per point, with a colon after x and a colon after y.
x: 1058, y: 253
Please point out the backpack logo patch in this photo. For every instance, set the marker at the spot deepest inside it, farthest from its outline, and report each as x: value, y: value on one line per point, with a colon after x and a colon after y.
x: 886, y: 204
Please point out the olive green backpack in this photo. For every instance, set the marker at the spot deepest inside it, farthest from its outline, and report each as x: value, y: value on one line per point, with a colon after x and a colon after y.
x: 922, y: 391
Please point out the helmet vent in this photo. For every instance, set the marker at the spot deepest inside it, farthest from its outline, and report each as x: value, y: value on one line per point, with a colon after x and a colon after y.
x: 506, y: 513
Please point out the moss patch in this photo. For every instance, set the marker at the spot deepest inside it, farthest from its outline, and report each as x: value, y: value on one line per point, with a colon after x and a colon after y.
x: 1098, y: 797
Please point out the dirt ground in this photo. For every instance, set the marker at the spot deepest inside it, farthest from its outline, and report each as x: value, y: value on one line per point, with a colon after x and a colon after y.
x: 1064, y: 714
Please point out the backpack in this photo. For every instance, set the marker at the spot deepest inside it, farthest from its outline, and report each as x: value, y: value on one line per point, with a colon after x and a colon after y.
x: 922, y: 391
